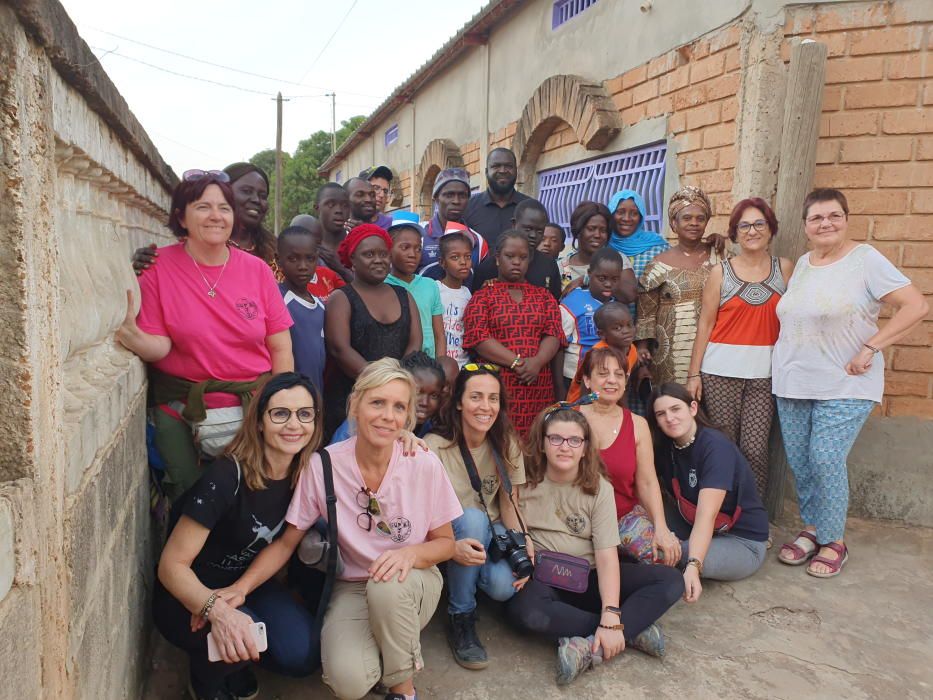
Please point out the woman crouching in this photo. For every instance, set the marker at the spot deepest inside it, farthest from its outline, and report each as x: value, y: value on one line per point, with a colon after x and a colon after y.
x: 716, y: 509
x: 393, y: 520
x: 569, y: 510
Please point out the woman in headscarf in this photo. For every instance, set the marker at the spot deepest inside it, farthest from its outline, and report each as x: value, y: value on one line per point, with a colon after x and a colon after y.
x: 628, y: 234
x: 250, y: 186
x: 671, y: 288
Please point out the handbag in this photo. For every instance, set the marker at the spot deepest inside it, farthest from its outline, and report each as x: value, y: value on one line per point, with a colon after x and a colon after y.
x: 564, y: 571
x: 688, y: 511
x: 636, y: 532
x: 217, y: 430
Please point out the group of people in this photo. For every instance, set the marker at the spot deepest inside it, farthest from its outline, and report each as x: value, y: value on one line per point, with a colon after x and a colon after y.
x: 578, y: 431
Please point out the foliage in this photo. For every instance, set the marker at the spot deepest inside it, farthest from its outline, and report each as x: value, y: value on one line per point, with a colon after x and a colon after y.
x: 300, y: 181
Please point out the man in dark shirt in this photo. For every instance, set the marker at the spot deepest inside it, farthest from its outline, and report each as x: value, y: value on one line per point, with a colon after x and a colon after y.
x: 491, y: 212
x: 380, y: 177
x: 530, y: 218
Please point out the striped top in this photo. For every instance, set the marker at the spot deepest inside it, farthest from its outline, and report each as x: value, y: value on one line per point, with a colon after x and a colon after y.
x: 747, y: 325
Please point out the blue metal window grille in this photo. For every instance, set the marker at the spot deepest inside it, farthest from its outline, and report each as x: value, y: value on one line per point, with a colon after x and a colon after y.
x: 565, y: 9
x: 642, y: 170
x: 391, y: 135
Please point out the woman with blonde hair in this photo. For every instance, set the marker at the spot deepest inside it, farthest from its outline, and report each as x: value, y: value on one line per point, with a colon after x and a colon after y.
x: 218, y: 527
x: 394, y: 516
x: 570, y: 513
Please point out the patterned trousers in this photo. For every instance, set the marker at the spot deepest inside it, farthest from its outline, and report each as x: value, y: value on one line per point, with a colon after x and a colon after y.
x: 744, y: 410
x: 817, y: 438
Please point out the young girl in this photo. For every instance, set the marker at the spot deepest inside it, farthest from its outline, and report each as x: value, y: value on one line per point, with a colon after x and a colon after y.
x: 717, y: 511
x: 568, y: 508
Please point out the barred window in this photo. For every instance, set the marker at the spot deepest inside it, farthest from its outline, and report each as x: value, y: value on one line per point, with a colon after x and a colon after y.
x: 565, y: 9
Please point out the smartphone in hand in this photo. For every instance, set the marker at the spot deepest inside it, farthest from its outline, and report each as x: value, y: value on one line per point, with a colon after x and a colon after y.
x: 258, y: 630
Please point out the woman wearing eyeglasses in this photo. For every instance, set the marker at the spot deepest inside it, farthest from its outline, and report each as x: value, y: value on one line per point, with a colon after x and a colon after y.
x: 828, y: 370
x: 394, y: 516
x: 218, y: 527
x: 730, y: 368
x: 474, y: 422
x: 569, y: 510
x: 714, y: 508
x: 211, y: 323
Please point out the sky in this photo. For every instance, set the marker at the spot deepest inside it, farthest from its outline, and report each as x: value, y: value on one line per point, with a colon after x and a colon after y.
x: 359, y: 49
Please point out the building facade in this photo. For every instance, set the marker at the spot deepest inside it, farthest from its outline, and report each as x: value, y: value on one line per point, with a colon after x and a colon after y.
x: 593, y: 94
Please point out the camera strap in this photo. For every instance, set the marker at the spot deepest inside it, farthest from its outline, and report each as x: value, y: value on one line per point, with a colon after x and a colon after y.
x: 504, y: 480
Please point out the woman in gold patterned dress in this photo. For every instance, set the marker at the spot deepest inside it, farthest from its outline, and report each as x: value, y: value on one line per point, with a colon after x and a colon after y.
x: 671, y: 287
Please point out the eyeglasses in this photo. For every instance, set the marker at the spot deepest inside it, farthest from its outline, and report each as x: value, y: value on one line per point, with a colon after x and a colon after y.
x: 379, y: 189
x: 282, y: 415
x: 195, y: 174
x: 759, y: 226
x: 366, y: 499
x: 558, y: 440
x: 474, y: 367
x: 836, y: 217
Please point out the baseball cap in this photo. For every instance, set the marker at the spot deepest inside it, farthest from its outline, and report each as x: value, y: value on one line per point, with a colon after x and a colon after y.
x: 450, y: 175
x: 402, y: 218
x: 372, y: 171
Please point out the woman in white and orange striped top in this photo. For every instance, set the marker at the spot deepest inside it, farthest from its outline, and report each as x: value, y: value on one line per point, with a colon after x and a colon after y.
x: 730, y: 368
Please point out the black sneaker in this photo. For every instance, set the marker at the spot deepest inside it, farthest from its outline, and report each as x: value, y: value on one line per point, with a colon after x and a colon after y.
x: 242, y: 684
x: 197, y: 692
x: 468, y: 652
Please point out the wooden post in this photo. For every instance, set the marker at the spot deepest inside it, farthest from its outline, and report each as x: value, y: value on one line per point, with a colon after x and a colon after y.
x: 278, y: 164
x: 801, y: 130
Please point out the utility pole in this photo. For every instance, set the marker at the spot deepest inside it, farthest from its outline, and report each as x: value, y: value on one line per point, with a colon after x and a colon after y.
x: 277, y: 216
x: 333, y: 121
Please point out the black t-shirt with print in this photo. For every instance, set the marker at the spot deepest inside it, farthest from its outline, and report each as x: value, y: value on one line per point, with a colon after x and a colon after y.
x: 714, y: 462
x: 241, y: 521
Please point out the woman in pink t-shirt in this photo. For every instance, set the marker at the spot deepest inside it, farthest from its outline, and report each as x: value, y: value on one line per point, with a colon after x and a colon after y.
x: 394, y: 516
x: 211, y: 322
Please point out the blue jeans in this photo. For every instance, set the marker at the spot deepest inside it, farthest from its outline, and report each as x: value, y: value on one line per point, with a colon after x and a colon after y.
x: 493, y: 579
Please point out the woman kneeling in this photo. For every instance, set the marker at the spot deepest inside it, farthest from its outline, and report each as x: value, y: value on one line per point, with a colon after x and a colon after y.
x: 235, y: 510
x: 715, y: 507
x: 569, y: 510
x: 393, y: 516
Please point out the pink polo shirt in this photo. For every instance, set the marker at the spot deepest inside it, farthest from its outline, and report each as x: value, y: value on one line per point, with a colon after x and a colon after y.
x: 221, y: 337
x: 415, y: 497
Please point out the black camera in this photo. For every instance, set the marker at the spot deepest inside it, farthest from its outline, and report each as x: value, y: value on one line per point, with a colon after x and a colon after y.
x: 511, y: 547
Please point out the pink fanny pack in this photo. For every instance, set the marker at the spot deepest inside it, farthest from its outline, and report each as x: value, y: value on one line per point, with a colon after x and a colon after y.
x: 562, y: 571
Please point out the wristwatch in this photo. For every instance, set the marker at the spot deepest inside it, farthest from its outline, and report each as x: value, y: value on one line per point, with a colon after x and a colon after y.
x: 697, y: 563
x: 614, y: 610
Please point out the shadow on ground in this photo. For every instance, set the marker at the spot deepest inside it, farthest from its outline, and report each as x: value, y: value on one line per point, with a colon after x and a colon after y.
x: 780, y: 634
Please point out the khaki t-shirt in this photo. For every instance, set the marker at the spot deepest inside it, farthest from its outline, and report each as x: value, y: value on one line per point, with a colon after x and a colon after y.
x: 452, y: 460
x: 562, y: 518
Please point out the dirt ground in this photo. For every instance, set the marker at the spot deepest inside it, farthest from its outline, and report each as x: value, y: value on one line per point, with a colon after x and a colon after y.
x: 780, y: 634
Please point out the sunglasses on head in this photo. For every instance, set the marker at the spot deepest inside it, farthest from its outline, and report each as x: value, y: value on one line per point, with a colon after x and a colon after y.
x: 195, y: 174
x: 474, y: 367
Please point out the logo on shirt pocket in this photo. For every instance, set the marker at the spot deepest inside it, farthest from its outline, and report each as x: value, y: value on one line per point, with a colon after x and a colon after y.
x: 490, y: 484
x: 692, y: 478
x: 247, y: 308
x: 400, y: 529
x: 576, y: 523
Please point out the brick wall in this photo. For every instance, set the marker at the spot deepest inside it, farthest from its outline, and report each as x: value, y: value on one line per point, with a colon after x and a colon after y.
x: 471, y: 162
x: 876, y: 144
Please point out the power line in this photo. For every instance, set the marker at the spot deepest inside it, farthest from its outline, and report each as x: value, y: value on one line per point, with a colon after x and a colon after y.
x: 327, y: 43
x: 220, y: 65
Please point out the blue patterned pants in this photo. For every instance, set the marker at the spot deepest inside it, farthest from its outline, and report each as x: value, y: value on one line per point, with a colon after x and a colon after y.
x: 817, y: 438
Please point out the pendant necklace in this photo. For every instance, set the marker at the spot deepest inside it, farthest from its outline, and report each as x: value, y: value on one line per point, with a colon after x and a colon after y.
x: 210, y: 287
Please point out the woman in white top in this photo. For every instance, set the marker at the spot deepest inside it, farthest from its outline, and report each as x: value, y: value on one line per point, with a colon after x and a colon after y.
x: 828, y: 371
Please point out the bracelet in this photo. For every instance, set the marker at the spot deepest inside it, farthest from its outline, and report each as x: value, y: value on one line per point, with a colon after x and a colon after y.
x: 518, y: 358
x: 693, y: 376
x: 697, y: 563
x: 872, y: 348
x: 208, y: 606
x: 619, y: 627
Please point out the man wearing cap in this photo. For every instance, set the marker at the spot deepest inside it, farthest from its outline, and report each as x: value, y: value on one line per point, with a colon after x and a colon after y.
x: 491, y: 212
x: 451, y: 193
x: 380, y: 177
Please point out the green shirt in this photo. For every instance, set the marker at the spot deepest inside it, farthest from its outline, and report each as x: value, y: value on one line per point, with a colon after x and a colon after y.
x: 428, y: 299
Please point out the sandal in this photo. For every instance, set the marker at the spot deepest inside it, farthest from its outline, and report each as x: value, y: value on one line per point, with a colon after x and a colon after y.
x: 835, y: 565
x: 799, y: 555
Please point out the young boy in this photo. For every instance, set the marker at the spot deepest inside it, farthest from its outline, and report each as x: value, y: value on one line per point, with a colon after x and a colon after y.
x: 456, y: 259
x: 324, y: 280
x: 296, y: 256
x: 406, y: 256
x: 615, y: 329
x: 552, y: 241
x: 578, y: 307
x: 429, y: 376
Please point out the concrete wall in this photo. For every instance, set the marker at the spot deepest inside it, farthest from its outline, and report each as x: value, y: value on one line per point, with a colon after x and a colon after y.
x: 83, y: 186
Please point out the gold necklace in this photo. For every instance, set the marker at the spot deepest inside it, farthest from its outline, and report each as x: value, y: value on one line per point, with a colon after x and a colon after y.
x: 210, y: 287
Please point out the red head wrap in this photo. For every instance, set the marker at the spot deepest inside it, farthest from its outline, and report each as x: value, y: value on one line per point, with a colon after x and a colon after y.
x: 357, y: 236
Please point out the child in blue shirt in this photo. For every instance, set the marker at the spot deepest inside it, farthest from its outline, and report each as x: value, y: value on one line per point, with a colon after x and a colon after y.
x: 579, y: 306
x: 296, y: 256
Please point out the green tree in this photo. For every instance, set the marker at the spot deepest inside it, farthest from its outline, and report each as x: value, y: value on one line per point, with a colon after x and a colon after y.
x: 300, y: 181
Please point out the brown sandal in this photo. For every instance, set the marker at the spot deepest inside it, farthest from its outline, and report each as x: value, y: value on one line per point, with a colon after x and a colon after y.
x: 800, y: 555
x: 835, y: 565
